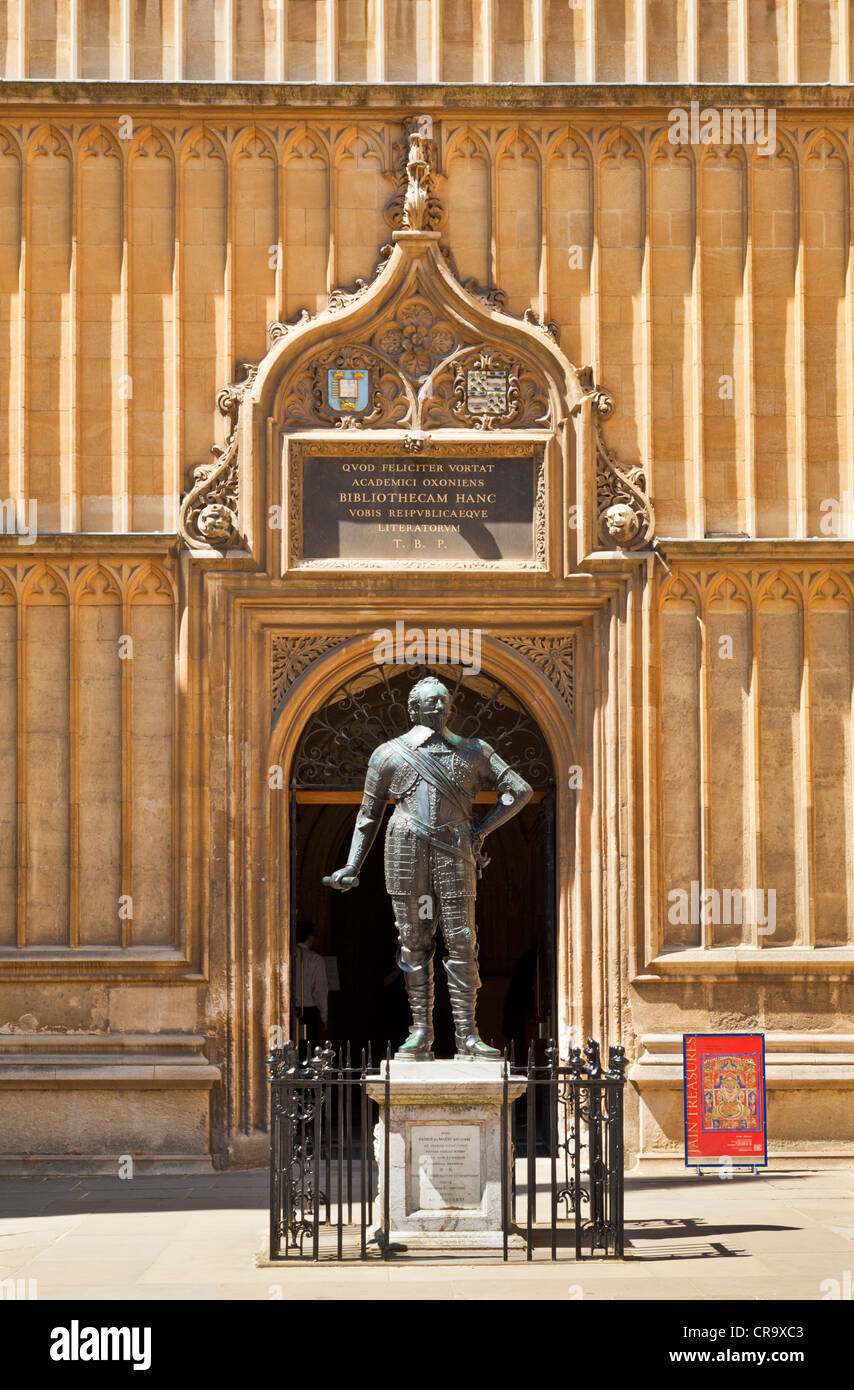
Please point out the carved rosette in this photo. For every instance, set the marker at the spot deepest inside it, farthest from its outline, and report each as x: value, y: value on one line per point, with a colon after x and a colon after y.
x: 626, y: 520
x: 416, y: 339
x: 554, y: 657
x: 209, y: 512
x: 293, y: 655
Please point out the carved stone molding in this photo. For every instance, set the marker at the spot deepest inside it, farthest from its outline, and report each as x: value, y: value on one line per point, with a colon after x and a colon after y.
x: 209, y: 512
x: 554, y: 657
x: 292, y: 655
x: 338, y: 299
x: 489, y: 295
x: 550, y: 328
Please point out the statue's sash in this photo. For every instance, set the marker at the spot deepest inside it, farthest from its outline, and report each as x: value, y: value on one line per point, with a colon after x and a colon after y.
x: 429, y: 769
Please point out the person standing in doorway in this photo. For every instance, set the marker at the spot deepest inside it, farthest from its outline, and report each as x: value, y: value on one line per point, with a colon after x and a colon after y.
x: 310, y: 989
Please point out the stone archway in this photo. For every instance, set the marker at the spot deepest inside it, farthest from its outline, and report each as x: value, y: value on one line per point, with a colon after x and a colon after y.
x: 315, y: 684
x: 516, y: 899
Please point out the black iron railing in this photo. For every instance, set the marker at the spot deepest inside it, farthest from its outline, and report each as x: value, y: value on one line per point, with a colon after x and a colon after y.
x: 323, y: 1169
x: 561, y: 1144
x: 567, y: 1126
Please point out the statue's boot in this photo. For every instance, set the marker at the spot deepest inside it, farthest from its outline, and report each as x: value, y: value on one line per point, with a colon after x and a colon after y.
x: 419, y: 988
x: 463, y: 984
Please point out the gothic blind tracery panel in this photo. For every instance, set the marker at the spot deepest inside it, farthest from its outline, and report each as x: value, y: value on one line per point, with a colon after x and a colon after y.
x: 87, y: 729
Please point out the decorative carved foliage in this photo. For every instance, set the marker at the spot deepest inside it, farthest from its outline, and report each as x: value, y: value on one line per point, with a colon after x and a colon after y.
x: 292, y: 656
x: 555, y: 657
x: 338, y: 299
x: 209, y: 511
x: 551, y: 329
x: 419, y: 378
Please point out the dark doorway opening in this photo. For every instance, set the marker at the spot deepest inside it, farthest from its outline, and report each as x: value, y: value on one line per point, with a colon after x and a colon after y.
x: 355, y: 930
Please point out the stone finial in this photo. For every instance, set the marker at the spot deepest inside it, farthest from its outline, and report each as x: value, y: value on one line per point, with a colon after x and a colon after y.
x: 415, y: 206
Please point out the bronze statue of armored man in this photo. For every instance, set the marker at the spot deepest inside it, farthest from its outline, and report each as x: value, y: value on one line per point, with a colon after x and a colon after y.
x: 433, y: 856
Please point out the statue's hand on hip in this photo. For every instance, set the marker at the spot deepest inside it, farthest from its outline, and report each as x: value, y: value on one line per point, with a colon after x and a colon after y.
x: 480, y: 859
x: 343, y: 879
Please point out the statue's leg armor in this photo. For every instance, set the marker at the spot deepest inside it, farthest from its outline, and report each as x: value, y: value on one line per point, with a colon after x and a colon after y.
x: 415, y: 958
x: 458, y: 929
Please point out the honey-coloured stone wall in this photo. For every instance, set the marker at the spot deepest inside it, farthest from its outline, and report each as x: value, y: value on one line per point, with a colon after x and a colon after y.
x: 430, y: 40
x: 709, y: 287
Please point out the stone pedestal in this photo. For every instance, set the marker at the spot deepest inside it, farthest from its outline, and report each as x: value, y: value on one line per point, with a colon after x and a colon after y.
x: 444, y: 1153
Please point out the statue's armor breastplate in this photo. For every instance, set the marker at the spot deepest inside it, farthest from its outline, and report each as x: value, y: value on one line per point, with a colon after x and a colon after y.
x: 414, y: 794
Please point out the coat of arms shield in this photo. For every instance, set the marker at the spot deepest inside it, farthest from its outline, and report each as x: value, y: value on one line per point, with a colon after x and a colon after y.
x: 347, y: 389
x: 486, y: 391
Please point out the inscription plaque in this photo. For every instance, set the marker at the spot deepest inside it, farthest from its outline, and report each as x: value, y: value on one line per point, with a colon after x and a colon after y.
x: 445, y: 1167
x: 444, y: 508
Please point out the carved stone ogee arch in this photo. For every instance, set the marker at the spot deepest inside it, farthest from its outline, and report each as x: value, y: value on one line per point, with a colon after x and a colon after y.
x: 418, y: 332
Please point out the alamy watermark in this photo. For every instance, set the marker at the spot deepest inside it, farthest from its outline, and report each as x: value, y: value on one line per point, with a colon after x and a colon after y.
x: 729, y: 125
x: 416, y: 646
x: 727, y: 906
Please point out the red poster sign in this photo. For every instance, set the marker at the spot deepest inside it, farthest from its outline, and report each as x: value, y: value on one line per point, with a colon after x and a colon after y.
x: 724, y: 1077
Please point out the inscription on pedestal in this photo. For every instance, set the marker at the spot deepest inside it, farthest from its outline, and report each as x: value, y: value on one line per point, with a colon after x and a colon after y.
x: 445, y: 1167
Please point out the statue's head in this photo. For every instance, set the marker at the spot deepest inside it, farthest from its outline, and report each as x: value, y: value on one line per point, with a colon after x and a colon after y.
x: 430, y: 703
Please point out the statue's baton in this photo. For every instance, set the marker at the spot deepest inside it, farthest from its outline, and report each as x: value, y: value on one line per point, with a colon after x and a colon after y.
x: 351, y: 881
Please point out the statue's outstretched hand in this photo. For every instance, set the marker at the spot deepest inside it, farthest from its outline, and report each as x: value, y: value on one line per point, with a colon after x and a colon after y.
x: 342, y: 879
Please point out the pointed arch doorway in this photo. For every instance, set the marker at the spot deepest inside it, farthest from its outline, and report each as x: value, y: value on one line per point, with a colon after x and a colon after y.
x: 516, y: 897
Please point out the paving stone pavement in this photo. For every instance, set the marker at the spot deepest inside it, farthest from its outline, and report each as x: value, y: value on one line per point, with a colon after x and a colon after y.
x: 775, y: 1236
